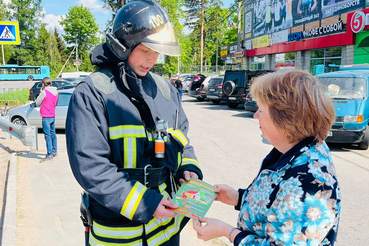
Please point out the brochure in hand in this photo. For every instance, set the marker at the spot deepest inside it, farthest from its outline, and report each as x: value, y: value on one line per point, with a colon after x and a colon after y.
x: 194, y: 198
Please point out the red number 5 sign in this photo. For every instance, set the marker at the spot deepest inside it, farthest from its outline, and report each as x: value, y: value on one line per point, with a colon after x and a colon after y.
x: 358, y: 21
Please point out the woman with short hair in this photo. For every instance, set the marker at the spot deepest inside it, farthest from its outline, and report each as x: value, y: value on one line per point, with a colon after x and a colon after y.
x: 295, y: 198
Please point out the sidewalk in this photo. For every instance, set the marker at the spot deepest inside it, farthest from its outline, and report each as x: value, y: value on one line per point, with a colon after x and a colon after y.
x: 42, y: 199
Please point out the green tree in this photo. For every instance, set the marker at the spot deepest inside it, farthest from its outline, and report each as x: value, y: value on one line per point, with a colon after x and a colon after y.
x: 80, y: 28
x: 28, y: 14
x: 62, y: 48
x: 114, y: 6
x: 175, y: 13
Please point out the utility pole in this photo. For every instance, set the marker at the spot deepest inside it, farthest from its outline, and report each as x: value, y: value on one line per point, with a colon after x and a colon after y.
x: 216, y: 59
x: 202, y: 33
x: 77, y: 61
x: 239, y: 65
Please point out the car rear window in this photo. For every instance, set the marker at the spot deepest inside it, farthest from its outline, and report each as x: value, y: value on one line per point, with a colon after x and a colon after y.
x: 236, y: 77
x: 216, y: 81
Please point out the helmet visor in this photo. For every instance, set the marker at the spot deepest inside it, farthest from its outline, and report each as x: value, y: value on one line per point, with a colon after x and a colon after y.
x: 163, y: 42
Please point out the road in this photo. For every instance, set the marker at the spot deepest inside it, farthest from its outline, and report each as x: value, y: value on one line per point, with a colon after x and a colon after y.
x: 229, y: 147
x: 10, y: 85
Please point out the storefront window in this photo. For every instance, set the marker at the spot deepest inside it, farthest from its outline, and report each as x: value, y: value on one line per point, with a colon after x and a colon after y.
x: 325, y: 60
x: 285, y: 61
x: 257, y: 63
x: 317, y: 53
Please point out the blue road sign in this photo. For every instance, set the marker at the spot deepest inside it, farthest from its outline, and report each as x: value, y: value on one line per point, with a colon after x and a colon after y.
x: 9, y: 32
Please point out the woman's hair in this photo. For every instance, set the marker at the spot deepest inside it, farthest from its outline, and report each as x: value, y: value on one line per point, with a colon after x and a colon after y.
x: 46, y: 81
x: 298, y: 105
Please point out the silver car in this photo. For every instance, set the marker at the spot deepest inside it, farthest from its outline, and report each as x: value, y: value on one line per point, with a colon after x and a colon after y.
x: 29, y: 115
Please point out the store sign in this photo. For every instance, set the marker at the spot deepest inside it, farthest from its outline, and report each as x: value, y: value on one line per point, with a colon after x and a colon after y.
x: 279, y: 37
x: 260, y: 42
x: 232, y: 48
x: 239, y: 53
x: 319, y: 31
x: 358, y: 21
x: 223, y: 52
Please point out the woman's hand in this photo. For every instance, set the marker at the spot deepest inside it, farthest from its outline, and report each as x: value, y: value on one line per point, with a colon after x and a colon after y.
x: 162, y: 212
x: 187, y: 176
x: 213, y: 228
x: 226, y: 194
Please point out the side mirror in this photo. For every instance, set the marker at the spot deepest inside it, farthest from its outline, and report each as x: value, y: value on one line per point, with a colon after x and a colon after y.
x: 33, y: 105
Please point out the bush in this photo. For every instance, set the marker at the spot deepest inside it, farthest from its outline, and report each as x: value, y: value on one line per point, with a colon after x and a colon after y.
x: 20, y: 95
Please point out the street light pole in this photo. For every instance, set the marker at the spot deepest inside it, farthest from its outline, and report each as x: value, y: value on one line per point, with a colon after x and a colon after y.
x: 239, y: 31
x: 2, y: 52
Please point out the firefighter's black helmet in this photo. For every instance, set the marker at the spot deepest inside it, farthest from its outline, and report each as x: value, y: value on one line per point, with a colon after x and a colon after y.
x: 142, y: 21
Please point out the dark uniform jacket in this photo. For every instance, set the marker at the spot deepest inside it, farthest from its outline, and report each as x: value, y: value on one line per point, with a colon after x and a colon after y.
x: 110, y: 127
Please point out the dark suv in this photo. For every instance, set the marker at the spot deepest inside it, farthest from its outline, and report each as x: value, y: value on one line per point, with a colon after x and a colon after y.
x: 236, y: 85
x: 214, y: 92
x: 36, y: 88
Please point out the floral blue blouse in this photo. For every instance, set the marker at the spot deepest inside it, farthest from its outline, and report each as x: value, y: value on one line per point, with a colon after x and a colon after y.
x: 294, y: 200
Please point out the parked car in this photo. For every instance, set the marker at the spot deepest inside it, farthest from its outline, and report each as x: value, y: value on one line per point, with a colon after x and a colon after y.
x: 236, y: 85
x: 29, y: 115
x: 201, y: 93
x: 194, y: 83
x: 74, y: 80
x: 183, y: 78
x: 250, y: 104
x: 214, y: 92
x: 348, y: 89
x: 36, y: 88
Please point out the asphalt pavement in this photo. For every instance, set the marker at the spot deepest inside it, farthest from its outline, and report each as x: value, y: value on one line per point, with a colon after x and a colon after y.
x: 42, y: 202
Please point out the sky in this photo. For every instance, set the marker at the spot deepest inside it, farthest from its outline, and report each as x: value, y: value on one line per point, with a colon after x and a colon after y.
x: 54, y: 10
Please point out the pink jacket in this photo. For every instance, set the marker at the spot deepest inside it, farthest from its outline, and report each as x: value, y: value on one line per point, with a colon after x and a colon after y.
x: 48, y: 99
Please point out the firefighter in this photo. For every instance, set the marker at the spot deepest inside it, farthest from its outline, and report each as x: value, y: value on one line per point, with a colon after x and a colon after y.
x: 126, y: 134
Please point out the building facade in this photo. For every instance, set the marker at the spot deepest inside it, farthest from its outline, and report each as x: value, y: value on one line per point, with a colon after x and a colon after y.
x: 313, y: 35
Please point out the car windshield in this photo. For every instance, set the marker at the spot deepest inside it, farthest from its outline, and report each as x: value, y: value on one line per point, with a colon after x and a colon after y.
x: 345, y: 87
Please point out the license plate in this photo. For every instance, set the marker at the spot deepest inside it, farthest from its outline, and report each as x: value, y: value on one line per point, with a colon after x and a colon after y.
x: 211, y: 89
x: 330, y: 134
x: 231, y: 98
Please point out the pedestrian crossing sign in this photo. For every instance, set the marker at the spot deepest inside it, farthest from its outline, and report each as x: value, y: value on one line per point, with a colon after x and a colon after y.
x: 9, y: 32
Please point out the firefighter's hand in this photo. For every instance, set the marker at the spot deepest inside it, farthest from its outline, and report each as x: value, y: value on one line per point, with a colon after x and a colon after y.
x: 187, y: 176
x: 161, y: 212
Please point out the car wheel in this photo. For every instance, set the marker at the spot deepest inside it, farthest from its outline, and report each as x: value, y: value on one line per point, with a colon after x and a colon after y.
x: 214, y: 101
x: 364, y: 144
x: 200, y: 99
x: 229, y: 87
x: 30, y: 78
x: 19, y: 121
x: 231, y: 104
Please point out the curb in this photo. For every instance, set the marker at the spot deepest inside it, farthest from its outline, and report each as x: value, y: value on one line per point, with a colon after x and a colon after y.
x: 10, y: 203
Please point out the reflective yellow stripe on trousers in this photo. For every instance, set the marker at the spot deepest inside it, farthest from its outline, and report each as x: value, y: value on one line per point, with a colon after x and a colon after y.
x: 134, y: 232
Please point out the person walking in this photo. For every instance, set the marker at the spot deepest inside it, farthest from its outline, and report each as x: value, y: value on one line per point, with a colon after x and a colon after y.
x: 179, y: 86
x: 47, y: 99
x: 126, y: 134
